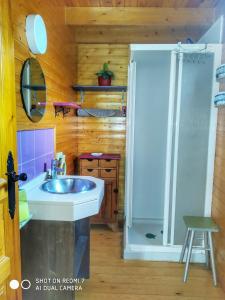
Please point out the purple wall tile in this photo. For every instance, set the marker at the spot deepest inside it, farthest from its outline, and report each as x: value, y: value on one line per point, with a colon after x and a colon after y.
x: 35, y: 148
x: 40, y: 143
x: 41, y: 161
x: 44, y: 142
x: 29, y: 169
x: 19, y: 169
x: 50, y: 137
x: 49, y: 158
x: 27, y: 145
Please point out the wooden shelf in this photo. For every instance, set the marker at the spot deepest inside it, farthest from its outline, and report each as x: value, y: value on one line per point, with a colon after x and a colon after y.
x: 97, y: 88
x: 35, y: 87
x: 64, y: 107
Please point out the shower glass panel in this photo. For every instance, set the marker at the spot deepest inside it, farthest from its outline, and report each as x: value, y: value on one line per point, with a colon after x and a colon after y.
x: 192, y: 156
x: 151, y: 118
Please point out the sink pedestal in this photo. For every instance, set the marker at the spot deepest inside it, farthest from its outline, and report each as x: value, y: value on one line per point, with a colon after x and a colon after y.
x: 53, y: 253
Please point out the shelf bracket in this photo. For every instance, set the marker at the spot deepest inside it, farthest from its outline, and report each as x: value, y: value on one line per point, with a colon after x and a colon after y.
x: 59, y: 109
x: 81, y: 96
x: 123, y: 97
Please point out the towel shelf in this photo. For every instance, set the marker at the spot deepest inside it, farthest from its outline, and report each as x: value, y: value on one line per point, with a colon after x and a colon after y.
x: 100, y: 113
x: 64, y: 107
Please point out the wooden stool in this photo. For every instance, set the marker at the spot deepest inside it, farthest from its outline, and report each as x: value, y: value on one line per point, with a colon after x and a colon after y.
x: 206, y: 226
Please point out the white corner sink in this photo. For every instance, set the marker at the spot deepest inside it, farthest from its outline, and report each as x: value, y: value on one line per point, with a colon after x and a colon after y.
x: 49, y: 202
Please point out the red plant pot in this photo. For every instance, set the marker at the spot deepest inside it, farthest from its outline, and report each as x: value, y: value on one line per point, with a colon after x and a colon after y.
x: 104, y: 82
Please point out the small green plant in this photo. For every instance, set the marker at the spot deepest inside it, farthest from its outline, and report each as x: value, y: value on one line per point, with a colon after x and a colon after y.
x: 105, y: 72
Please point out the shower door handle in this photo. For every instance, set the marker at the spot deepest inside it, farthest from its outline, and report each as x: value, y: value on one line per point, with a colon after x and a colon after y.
x: 12, y: 179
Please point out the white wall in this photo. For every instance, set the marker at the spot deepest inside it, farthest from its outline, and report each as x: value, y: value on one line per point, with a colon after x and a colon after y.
x: 215, y: 33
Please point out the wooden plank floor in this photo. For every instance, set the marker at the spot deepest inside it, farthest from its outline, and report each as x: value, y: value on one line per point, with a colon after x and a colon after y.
x: 113, y: 278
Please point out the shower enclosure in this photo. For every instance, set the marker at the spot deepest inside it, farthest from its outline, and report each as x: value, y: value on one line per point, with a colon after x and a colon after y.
x: 171, y: 132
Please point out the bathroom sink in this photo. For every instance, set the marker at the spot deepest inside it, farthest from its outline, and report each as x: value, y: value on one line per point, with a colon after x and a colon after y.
x: 68, y: 185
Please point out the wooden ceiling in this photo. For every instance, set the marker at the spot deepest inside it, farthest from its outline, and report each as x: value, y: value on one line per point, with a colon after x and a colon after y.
x: 143, y: 3
x: 139, y: 21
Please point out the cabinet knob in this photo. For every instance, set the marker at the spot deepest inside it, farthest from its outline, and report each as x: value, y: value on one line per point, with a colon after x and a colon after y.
x: 116, y: 212
x: 116, y: 191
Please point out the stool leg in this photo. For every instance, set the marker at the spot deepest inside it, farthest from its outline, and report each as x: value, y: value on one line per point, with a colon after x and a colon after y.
x: 189, y: 255
x: 212, y: 258
x: 184, y: 246
x: 206, y: 245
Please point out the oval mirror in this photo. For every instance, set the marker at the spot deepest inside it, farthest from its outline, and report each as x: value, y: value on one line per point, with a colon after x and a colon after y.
x: 33, y: 89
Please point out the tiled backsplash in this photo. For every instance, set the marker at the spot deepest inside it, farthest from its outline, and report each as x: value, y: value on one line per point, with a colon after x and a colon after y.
x: 35, y: 148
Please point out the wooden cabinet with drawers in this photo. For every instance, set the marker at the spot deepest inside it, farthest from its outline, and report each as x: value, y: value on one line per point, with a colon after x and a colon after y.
x: 105, y: 167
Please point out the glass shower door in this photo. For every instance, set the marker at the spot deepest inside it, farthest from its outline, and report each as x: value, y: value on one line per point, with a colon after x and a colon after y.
x: 191, y: 142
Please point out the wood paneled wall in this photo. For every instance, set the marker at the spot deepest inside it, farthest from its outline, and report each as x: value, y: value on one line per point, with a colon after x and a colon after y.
x: 102, y: 134
x: 58, y: 65
x: 218, y: 210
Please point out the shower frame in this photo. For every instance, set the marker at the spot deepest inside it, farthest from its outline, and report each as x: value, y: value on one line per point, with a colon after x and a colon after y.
x: 167, y: 251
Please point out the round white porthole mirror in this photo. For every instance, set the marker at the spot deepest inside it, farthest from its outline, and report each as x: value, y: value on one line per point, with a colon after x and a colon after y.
x: 36, y: 34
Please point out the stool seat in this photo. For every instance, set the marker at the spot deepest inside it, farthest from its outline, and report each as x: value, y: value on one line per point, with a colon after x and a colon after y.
x: 206, y: 226
x: 200, y: 223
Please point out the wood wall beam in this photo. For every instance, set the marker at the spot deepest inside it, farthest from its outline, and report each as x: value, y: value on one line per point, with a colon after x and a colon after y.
x: 138, y: 16
x: 136, y: 34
